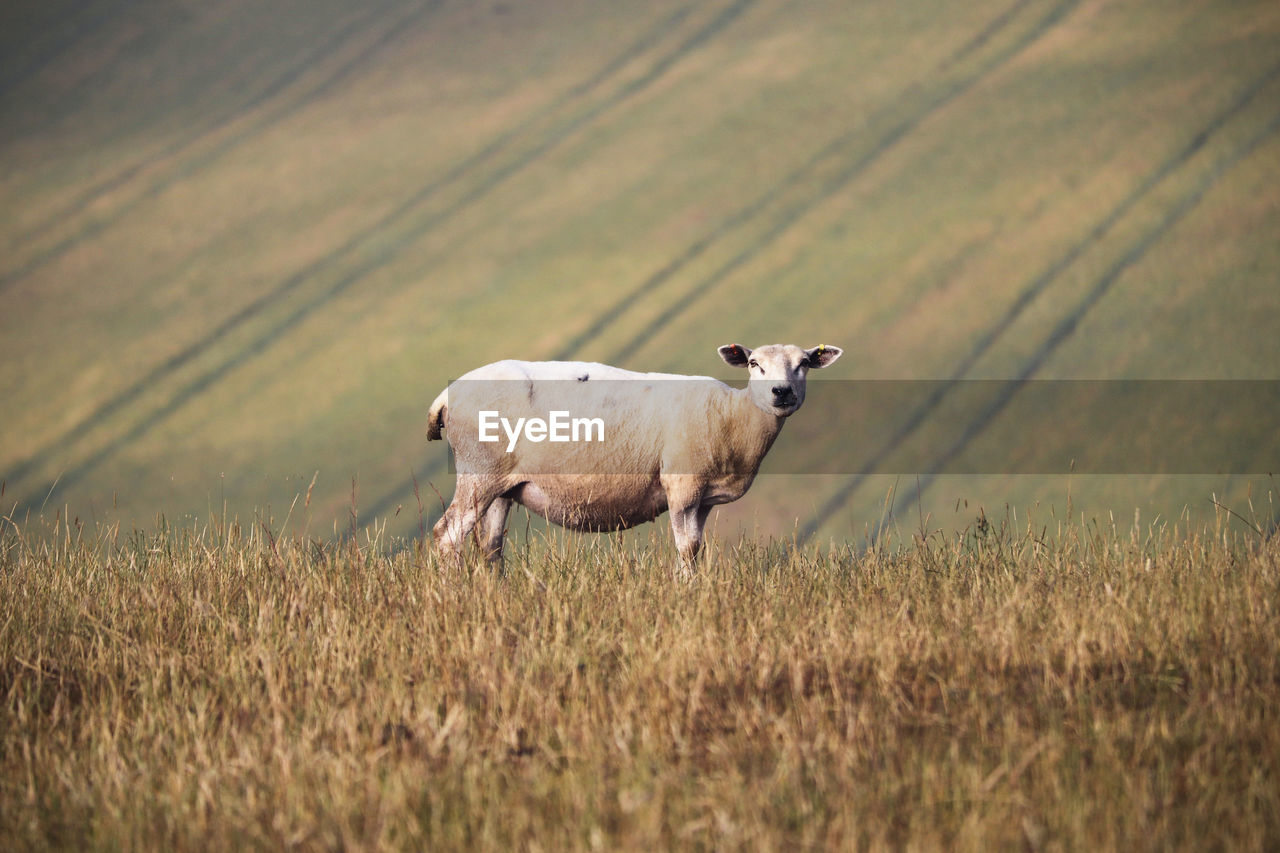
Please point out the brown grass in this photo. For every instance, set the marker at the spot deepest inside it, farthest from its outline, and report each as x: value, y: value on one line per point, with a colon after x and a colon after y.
x: 1077, y: 688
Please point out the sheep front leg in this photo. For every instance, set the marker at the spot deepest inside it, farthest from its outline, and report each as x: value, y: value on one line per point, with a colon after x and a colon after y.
x: 687, y: 523
x: 494, y: 530
x: 470, y: 503
x: 452, y: 530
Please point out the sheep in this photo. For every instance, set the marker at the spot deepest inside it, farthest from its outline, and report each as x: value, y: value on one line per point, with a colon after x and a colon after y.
x: 670, y: 443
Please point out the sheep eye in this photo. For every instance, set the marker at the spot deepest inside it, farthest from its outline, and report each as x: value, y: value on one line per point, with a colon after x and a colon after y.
x: 752, y: 363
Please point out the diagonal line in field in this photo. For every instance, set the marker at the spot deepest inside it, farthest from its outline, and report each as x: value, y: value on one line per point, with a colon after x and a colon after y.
x: 792, y: 215
x: 753, y: 208
x: 985, y: 35
x: 1036, y: 287
x: 286, y: 79
x: 695, y: 250
x: 185, y: 170
x: 1068, y: 325
x: 179, y: 146
x: 270, y: 337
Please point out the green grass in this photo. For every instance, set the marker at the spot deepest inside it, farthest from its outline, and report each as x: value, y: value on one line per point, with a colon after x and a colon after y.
x: 247, y: 243
x: 1023, y: 683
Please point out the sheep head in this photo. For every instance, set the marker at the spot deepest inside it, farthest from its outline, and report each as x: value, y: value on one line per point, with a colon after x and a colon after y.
x: 777, y: 373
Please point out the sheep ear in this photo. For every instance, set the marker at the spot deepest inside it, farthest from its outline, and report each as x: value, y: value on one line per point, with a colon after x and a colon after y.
x: 735, y: 354
x: 822, y: 355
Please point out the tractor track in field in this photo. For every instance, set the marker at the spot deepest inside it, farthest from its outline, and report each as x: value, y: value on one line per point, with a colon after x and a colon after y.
x: 797, y: 211
x: 693, y: 251
x: 558, y: 134
x: 178, y: 148
x: 201, y: 160
x: 1067, y: 326
x: 1041, y: 282
x: 750, y: 211
x: 980, y: 38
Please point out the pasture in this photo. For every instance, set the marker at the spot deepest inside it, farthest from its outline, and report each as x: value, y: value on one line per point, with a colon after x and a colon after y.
x: 244, y: 244
x: 1030, y: 682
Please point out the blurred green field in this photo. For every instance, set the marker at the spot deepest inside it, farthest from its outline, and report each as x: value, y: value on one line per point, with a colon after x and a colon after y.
x: 243, y: 245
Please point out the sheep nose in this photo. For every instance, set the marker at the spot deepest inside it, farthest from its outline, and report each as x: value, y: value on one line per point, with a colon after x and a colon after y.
x: 782, y: 392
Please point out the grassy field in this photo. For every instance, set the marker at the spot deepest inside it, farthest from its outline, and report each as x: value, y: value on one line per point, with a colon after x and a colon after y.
x: 243, y: 245
x: 1028, y: 682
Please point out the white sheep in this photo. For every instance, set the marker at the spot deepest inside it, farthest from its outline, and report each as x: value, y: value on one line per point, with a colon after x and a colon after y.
x: 673, y: 443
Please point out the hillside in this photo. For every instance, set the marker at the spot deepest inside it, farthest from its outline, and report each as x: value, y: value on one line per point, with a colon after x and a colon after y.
x: 242, y: 245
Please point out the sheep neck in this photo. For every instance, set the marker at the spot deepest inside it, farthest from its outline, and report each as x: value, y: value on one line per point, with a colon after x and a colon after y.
x: 753, y: 443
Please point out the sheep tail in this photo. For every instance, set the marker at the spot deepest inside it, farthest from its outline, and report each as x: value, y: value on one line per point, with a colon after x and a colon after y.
x: 438, y: 416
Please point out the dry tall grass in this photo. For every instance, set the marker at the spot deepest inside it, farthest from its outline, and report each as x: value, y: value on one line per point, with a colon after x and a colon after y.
x: 1075, y: 687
